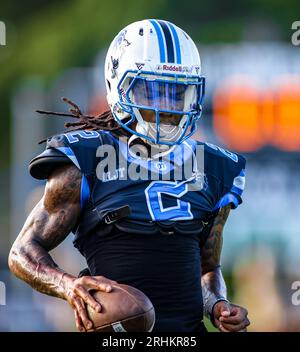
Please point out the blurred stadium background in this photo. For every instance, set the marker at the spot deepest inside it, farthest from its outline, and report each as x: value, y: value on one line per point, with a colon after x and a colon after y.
x: 56, y: 48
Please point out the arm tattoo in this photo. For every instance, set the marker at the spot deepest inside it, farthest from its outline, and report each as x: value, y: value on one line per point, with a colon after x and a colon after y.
x: 211, y: 251
x: 212, y: 281
x: 47, y: 226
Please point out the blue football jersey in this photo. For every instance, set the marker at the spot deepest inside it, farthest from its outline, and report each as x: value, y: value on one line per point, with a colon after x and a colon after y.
x: 112, y: 176
x: 173, y: 201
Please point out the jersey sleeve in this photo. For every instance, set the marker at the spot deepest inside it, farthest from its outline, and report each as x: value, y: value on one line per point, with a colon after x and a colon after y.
x: 78, y: 148
x: 42, y: 165
x: 232, y: 183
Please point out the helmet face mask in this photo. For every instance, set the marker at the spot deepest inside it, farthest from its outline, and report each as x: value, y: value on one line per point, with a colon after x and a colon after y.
x: 172, y: 99
x: 166, y: 94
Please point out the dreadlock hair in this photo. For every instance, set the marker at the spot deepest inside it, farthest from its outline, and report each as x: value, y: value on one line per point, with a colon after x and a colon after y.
x: 104, y: 121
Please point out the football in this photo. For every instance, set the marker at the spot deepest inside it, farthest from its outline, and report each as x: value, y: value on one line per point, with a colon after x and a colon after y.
x: 124, y: 309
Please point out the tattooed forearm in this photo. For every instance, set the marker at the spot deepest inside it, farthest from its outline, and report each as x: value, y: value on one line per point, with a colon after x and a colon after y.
x: 211, y: 250
x: 212, y: 281
x: 48, y: 225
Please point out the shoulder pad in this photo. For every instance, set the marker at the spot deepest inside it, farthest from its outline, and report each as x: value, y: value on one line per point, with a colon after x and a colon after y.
x: 42, y: 165
x: 77, y: 147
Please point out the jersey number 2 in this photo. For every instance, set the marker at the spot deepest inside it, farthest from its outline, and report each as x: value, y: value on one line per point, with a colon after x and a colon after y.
x: 181, y: 211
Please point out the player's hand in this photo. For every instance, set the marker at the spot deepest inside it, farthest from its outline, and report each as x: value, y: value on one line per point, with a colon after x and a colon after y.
x: 230, y: 317
x: 76, y: 292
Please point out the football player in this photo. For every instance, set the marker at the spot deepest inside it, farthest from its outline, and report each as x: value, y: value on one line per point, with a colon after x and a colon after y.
x: 161, y: 233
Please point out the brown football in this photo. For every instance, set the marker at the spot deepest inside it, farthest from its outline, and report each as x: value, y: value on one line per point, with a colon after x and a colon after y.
x: 124, y: 309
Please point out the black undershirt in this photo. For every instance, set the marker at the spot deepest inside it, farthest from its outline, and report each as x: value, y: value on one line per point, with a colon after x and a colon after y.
x: 165, y: 267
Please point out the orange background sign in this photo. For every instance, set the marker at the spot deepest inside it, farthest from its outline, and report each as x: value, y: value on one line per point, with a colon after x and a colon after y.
x: 247, y: 117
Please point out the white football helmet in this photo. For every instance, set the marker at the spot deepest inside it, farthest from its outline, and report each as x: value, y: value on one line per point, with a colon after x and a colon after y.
x: 152, y: 65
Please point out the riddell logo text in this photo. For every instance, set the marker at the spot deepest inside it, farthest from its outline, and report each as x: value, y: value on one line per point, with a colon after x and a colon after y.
x: 172, y: 68
x: 175, y: 68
